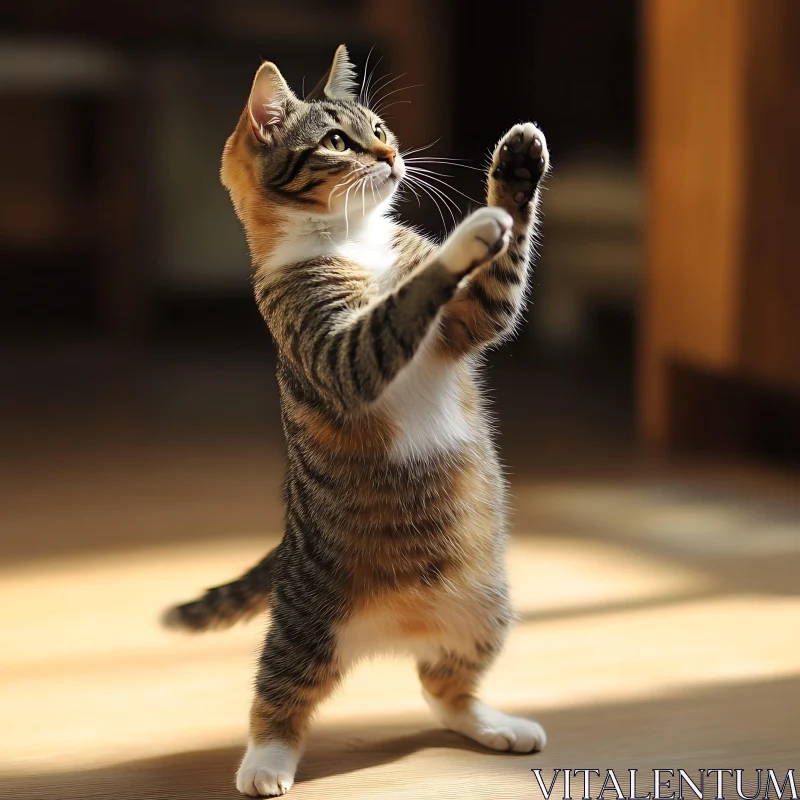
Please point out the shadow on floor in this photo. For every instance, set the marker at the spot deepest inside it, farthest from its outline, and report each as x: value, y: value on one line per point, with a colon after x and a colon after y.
x: 742, y: 725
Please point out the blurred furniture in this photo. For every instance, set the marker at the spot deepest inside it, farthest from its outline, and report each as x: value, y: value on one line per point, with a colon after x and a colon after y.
x: 69, y: 190
x: 722, y: 124
x: 592, y: 254
x: 111, y: 209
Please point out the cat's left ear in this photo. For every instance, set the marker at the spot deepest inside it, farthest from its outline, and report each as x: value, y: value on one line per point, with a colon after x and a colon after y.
x: 340, y: 81
x: 270, y: 100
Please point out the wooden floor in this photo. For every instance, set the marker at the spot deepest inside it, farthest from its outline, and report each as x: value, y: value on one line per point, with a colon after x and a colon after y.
x: 659, y: 609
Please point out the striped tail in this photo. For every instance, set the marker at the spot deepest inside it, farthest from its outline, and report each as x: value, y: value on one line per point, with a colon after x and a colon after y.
x: 224, y: 606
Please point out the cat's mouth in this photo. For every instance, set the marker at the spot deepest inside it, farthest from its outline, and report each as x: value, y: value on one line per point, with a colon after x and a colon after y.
x: 384, y: 179
x: 398, y: 170
x: 385, y: 175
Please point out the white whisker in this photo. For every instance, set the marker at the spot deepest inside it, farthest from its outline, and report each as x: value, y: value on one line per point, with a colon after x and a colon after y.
x: 363, y: 198
x: 448, y: 200
x: 384, y: 109
x: 355, y: 168
x: 433, y: 193
x: 383, y: 82
x: 419, y: 201
x: 395, y: 91
x: 348, y: 181
x: 364, y: 77
x: 415, y: 168
x: 436, y: 203
x: 346, y: 220
x: 446, y: 161
x: 431, y: 176
x: 367, y: 96
x: 419, y: 149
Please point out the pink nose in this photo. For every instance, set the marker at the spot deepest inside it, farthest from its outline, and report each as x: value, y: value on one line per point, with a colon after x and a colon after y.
x: 387, y: 155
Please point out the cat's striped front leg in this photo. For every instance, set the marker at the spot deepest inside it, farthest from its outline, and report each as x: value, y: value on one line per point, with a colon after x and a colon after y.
x: 487, y: 308
x: 519, y: 163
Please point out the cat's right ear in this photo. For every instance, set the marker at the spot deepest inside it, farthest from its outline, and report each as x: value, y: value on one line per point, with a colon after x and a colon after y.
x: 270, y: 101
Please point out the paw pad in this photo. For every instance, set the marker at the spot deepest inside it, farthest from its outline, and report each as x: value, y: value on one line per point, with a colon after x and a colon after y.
x: 520, y: 161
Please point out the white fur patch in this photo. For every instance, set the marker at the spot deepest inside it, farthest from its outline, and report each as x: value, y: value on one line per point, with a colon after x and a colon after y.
x: 476, y: 238
x: 267, y: 769
x: 424, y: 401
x: 451, y: 619
x: 490, y: 727
x: 371, y: 634
x: 371, y: 247
x: 367, y: 241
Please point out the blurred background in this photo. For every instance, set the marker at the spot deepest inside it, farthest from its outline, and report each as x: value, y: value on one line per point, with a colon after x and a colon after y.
x: 648, y: 411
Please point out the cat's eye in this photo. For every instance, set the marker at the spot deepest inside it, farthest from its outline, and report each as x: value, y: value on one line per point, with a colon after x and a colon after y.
x: 380, y: 132
x: 335, y: 141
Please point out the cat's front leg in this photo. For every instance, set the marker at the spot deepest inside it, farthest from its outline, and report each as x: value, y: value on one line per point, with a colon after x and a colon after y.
x: 482, y: 236
x: 519, y: 162
x: 486, y: 309
x: 349, y: 357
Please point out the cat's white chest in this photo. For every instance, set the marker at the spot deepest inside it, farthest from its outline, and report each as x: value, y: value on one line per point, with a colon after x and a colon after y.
x: 371, y: 248
x: 425, y: 404
x: 367, y: 243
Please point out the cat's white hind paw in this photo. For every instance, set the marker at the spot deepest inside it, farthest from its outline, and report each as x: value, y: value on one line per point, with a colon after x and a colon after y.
x: 267, y: 770
x: 489, y: 727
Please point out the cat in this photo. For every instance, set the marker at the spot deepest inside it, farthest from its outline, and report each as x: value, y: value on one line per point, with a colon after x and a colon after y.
x: 395, y: 527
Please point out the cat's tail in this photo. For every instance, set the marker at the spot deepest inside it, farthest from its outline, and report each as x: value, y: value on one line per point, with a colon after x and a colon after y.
x: 224, y: 606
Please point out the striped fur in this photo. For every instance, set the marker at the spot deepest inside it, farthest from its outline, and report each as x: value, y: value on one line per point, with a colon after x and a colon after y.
x: 395, y: 523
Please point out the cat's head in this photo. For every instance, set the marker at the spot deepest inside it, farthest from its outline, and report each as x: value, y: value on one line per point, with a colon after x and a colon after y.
x: 318, y: 155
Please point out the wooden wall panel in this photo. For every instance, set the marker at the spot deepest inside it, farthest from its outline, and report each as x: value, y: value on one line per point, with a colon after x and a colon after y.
x: 770, y: 335
x: 694, y: 151
x: 722, y: 126
x: 694, y: 148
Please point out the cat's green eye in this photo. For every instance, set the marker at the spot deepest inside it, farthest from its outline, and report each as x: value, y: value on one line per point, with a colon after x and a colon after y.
x: 335, y: 141
x: 380, y: 132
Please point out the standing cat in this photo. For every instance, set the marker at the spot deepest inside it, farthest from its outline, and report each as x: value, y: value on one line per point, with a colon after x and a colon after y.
x: 395, y: 529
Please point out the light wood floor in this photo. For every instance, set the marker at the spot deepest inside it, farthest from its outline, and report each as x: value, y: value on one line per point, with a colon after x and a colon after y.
x: 659, y: 616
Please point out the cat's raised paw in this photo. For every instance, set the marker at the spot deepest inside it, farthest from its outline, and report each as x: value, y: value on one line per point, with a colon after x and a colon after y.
x: 483, y: 235
x: 267, y: 771
x: 520, y: 159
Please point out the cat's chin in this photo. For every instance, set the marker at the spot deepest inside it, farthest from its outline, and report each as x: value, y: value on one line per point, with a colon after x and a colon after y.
x: 385, y: 191
x: 368, y: 200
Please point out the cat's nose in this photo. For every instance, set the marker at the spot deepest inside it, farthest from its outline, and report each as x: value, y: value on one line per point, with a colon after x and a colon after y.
x: 388, y: 155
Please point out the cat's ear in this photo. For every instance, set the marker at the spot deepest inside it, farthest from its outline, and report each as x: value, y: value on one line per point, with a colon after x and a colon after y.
x: 270, y: 100
x: 339, y: 82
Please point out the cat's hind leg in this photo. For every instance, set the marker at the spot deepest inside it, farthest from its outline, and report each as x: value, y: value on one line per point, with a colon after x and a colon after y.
x: 449, y: 684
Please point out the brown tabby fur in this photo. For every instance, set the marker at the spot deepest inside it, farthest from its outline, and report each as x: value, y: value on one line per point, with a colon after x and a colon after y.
x: 411, y: 548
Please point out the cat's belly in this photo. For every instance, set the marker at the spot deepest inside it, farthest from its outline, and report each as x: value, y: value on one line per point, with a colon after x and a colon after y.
x: 426, y: 406
x: 452, y: 617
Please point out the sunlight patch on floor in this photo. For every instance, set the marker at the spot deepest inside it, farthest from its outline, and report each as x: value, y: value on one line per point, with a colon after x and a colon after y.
x: 678, y: 517
x: 88, y: 678
x: 557, y: 574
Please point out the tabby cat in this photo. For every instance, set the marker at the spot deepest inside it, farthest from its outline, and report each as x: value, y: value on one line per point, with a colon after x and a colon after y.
x: 395, y: 528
